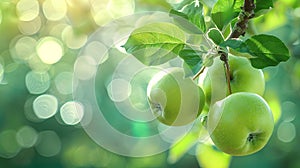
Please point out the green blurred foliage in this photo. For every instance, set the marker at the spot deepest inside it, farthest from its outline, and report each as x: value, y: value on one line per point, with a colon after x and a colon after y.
x: 78, y: 150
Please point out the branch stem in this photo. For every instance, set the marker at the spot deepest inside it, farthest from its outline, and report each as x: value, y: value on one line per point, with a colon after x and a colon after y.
x: 224, y: 58
x: 199, y: 73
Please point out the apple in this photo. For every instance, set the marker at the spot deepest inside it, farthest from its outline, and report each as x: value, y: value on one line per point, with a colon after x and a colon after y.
x: 241, y: 124
x: 243, y: 78
x: 174, y: 99
x: 139, y: 82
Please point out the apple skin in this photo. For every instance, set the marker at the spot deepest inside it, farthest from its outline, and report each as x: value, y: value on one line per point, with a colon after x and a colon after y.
x: 241, y: 124
x: 244, y: 78
x: 174, y: 99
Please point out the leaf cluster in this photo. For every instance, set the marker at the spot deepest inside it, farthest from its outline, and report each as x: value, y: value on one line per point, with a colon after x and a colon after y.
x: 158, y: 43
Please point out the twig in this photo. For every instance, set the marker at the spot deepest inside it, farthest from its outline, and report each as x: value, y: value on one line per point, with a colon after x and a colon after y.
x: 243, y: 19
x: 199, y: 73
x: 224, y: 58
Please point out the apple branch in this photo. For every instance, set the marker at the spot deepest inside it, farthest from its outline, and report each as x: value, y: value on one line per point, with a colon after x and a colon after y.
x: 239, y: 29
x: 246, y: 14
x: 199, y: 73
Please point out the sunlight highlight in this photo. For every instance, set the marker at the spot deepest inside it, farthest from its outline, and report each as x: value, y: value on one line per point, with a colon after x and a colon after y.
x: 54, y: 9
x: 27, y: 10
x: 45, y: 106
x: 72, y: 112
x: 50, y: 50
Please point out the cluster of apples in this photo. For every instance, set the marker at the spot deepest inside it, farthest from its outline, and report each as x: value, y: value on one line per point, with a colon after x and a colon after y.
x: 239, y: 124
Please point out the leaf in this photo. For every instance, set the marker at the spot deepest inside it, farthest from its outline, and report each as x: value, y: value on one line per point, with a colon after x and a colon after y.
x: 192, y: 58
x: 156, y: 43
x: 224, y: 11
x: 209, y: 157
x: 268, y: 51
x: 182, y: 21
x: 236, y: 44
x: 262, y: 6
x: 181, y: 4
x: 209, y: 3
x: 193, y: 13
x: 215, y: 35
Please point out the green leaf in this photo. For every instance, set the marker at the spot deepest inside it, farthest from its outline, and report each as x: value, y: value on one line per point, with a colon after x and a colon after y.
x: 268, y: 51
x: 236, y: 44
x: 265, y: 50
x: 156, y: 43
x: 224, y: 11
x: 192, y: 58
x: 216, y: 36
x: 262, y: 6
x: 193, y: 13
x: 183, y: 22
x: 209, y: 3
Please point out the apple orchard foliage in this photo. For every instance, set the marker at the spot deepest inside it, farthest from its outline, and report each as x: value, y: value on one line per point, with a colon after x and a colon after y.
x: 159, y: 42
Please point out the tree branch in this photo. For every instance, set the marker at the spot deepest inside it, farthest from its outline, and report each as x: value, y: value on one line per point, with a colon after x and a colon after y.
x: 243, y: 19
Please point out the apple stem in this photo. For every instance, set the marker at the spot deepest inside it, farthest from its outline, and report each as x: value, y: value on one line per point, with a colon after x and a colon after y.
x: 239, y: 30
x: 224, y: 57
x: 199, y: 73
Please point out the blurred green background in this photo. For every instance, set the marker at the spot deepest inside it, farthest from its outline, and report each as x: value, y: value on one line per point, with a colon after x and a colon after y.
x: 39, y: 43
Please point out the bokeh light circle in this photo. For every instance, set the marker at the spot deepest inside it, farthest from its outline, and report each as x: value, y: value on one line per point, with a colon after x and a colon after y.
x: 37, y: 82
x: 27, y: 136
x: 64, y: 83
x: 71, y: 112
x: 9, y: 147
x: 1, y: 72
x: 28, y: 10
x: 45, y: 106
x: 30, y: 27
x: 119, y: 90
x: 72, y: 39
x: 48, y: 144
x: 22, y: 48
x: 86, y: 68
x: 286, y: 132
x: 50, y: 50
x: 54, y: 10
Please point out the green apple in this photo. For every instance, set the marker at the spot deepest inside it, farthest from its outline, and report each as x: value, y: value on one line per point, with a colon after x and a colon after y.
x: 243, y: 78
x: 240, y: 124
x: 174, y: 99
x: 139, y: 82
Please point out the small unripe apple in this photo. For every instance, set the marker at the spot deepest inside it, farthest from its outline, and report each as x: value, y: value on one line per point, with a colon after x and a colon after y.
x: 240, y: 124
x: 174, y: 99
x: 243, y: 78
